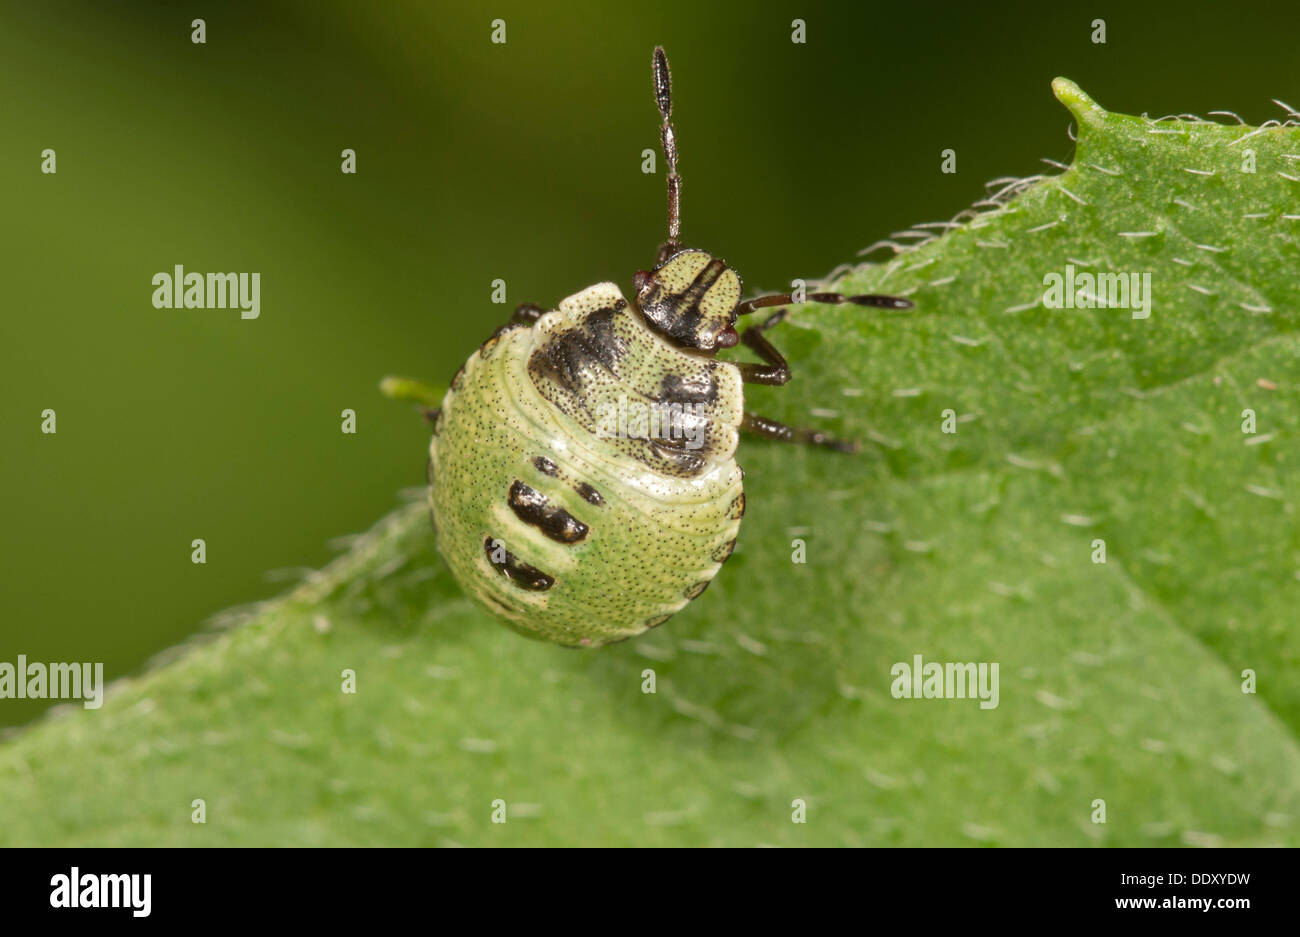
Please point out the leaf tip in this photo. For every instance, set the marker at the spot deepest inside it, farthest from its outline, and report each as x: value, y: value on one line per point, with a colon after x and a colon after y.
x: 1084, y: 108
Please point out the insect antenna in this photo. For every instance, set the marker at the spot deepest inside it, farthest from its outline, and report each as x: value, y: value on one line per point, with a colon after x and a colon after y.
x: 664, y: 99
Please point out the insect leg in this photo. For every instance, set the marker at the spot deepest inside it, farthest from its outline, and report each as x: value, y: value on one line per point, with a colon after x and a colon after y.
x: 771, y: 429
x: 775, y: 369
x: 527, y: 314
x: 866, y: 299
x: 775, y: 318
x: 524, y: 315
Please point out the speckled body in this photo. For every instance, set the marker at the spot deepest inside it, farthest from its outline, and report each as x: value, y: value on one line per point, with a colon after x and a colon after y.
x: 565, y: 530
x: 582, y: 472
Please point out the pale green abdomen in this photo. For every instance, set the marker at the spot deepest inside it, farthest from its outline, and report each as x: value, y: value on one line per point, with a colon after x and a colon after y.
x: 591, y: 545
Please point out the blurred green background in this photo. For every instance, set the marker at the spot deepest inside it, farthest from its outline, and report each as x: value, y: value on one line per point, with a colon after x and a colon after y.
x: 475, y: 161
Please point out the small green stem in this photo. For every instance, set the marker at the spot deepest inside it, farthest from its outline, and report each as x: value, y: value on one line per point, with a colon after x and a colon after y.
x: 405, y: 388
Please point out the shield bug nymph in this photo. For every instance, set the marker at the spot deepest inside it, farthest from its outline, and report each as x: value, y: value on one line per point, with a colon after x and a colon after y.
x: 582, y: 470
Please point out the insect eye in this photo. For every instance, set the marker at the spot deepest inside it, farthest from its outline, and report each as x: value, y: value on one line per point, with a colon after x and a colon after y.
x: 728, y: 338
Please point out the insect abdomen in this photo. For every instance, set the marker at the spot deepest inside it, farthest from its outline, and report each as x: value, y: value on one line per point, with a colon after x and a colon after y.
x: 564, y: 534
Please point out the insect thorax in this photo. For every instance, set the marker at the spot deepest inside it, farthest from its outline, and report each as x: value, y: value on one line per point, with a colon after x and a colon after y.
x: 599, y: 364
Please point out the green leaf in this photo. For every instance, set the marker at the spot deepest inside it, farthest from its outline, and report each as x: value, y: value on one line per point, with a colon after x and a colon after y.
x: 1119, y: 681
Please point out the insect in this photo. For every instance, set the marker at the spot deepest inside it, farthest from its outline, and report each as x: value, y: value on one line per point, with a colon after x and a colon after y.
x: 582, y: 472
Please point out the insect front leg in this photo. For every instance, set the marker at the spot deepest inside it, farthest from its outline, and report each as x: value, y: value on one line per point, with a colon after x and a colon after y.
x: 775, y: 369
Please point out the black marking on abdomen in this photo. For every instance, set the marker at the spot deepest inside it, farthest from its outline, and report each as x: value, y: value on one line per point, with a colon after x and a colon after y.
x: 570, y: 357
x: 519, y: 573
x: 546, y: 466
x: 533, y: 507
x: 722, y: 553
x: 737, y: 509
x: 657, y: 620
x: 694, y: 591
x: 589, y: 494
x: 699, y: 388
x: 687, y: 462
